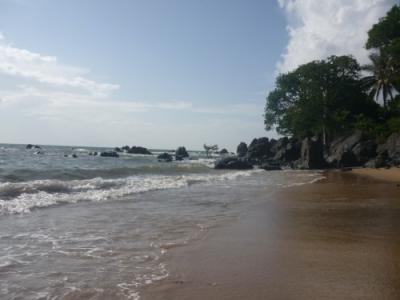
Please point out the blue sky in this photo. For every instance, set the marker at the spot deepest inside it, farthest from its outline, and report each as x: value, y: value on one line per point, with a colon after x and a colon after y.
x: 160, y: 73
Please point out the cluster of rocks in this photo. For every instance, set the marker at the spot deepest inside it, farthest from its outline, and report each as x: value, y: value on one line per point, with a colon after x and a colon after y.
x: 180, y: 154
x: 354, y: 149
x: 133, y: 150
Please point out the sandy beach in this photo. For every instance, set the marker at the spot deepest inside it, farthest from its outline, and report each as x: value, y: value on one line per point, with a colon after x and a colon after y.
x: 338, y: 238
x: 389, y: 175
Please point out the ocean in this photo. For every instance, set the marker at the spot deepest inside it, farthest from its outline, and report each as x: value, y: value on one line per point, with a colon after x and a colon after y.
x: 96, y: 227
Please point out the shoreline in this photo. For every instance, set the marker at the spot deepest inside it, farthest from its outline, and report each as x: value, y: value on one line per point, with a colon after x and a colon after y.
x: 334, y: 239
x: 382, y: 174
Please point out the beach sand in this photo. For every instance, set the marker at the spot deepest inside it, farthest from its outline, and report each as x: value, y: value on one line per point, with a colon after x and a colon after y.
x: 391, y: 175
x: 338, y: 238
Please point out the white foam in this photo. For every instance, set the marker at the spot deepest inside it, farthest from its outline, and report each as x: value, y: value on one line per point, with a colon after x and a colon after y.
x: 39, y: 193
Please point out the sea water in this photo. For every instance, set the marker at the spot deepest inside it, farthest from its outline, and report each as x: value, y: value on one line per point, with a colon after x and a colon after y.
x: 96, y: 227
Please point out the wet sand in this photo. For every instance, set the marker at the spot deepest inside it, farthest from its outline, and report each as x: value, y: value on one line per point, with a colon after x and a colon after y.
x: 335, y: 239
x: 390, y: 175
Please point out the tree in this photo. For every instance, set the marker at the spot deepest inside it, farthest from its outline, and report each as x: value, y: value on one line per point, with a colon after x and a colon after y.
x: 382, y: 79
x: 319, y: 98
x: 384, y: 40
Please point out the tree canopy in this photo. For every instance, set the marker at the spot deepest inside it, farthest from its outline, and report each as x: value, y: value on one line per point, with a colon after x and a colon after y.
x: 321, y: 97
x: 324, y: 97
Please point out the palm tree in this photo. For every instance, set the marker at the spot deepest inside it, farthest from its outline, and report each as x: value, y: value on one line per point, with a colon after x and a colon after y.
x: 382, y: 78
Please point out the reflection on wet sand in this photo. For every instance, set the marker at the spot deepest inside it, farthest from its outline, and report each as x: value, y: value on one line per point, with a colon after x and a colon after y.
x: 335, y: 239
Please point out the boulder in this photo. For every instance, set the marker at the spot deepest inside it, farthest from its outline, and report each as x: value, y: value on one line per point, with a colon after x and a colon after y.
x: 117, y: 149
x: 259, y: 149
x: 223, y: 151
x: 233, y: 163
x: 287, y: 150
x: 109, y: 154
x: 340, y: 152
x: 125, y: 148
x: 312, y: 154
x: 138, y: 150
x: 30, y: 146
x: 94, y: 153
x: 74, y: 155
x: 181, y: 153
x: 241, y: 149
x: 164, y: 157
x: 391, y: 149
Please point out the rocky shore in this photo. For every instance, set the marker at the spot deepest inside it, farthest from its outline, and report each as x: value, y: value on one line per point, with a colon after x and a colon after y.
x: 354, y: 149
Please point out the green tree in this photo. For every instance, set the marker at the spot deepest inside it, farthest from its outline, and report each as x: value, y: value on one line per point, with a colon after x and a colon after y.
x: 383, y: 77
x: 384, y: 40
x: 319, y: 98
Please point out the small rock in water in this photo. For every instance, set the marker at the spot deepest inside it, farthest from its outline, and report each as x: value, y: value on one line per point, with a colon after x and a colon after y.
x: 164, y: 157
x: 109, y: 154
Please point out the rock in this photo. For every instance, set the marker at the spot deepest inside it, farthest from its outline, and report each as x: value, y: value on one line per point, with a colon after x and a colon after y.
x: 117, y: 149
x: 94, y: 153
x: 109, y: 154
x: 259, y: 149
x: 74, y: 156
x: 165, y: 157
x: 223, y: 151
x: 30, y: 146
x: 138, y: 150
x: 312, y: 154
x: 125, y: 148
x: 340, y: 152
x: 39, y: 153
x: 181, y: 153
x: 271, y: 165
x: 364, y: 151
x: 287, y: 150
x: 233, y: 163
x: 241, y: 149
x: 391, y: 149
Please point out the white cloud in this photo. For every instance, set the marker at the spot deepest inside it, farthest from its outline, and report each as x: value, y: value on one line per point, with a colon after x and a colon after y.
x: 48, y: 70
x: 319, y: 28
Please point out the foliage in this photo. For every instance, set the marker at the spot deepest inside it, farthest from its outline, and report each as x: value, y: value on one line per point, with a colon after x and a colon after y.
x: 321, y: 97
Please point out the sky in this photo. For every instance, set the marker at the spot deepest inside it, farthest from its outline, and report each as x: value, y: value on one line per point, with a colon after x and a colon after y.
x: 158, y: 73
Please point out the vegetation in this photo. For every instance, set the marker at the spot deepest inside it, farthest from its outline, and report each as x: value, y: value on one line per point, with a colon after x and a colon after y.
x: 326, y: 97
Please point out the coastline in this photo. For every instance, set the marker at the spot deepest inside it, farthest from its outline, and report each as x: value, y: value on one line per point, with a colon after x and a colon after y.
x: 334, y: 239
x: 383, y: 174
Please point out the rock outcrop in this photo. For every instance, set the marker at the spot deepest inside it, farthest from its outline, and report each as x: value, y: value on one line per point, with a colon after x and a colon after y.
x: 233, y: 163
x: 259, y: 149
x: 138, y: 150
x: 181, y: 153
x: 312, y: 154
x: 30, y: 146
x: 164, y: 157
x: 241, y: 150
x: 109, y: 154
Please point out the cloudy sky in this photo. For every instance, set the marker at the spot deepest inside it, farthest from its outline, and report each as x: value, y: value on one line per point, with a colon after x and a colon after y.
x: 160, y: 73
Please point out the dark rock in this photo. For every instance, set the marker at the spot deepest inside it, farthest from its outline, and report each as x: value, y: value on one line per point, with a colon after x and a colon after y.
x: 223, y: 151
x: 364, y: 151
x: 181, y: 153
x: 287, y: 150
x: 74, y: 156
x: 241, y: 149
x: 109, y: 154
x: 391, y: 149
x: 233, y: 163
x: 30, y: 146
x: 312, y: 154
x: 125, y: 148
x: 94, y: 153
x: 340, y: 152
x: 138, y: 150
x: 259, y: 149
x: 165, y: 157
x: 117, y: 149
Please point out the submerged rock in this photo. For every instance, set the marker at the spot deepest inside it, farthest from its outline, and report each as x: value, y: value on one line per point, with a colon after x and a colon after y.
x: 164, y: 157
x: 233, y: 163
x: 30, y: 146
x: 109, y: 154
